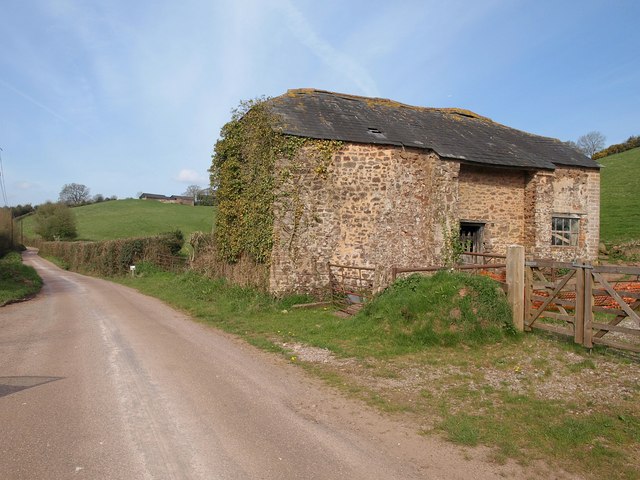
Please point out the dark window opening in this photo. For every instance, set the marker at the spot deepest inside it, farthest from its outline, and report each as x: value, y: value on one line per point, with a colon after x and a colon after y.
x: 471, y: 236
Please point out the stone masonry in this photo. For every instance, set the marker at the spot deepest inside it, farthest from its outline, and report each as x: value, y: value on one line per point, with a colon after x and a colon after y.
x: 383, y: 206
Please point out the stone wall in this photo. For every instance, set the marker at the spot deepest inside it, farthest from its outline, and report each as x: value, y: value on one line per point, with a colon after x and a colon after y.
x: 382, y: 206
x: 373, y: 206
x: 565, y: 191
x: 496, y: 198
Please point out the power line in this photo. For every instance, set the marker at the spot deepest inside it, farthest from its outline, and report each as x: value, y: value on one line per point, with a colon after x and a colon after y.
x: 3, y: 186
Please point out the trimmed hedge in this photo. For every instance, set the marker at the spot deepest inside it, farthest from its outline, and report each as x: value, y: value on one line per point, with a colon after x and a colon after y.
x: 112, y: 257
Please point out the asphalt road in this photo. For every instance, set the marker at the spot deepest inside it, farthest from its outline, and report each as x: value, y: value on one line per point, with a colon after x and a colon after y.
x: 100, y: 382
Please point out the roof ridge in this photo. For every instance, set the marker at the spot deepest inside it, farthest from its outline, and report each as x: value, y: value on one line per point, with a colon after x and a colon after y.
x: 389, y: 102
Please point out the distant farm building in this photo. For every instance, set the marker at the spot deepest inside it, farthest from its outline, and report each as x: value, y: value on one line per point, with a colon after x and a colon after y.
x: 180, y: 199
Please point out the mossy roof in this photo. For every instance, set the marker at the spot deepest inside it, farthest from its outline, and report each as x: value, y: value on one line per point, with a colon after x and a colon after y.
x: 450, y: 132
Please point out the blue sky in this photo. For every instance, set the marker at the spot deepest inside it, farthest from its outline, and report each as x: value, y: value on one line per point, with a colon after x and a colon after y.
x: 129, y: 96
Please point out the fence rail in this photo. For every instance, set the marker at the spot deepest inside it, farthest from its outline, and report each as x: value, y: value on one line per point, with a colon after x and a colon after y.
x: 351, y: 286
x: 592, y: 304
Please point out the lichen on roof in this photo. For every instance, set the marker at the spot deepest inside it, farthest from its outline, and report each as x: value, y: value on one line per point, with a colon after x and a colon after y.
x: 454, y: 133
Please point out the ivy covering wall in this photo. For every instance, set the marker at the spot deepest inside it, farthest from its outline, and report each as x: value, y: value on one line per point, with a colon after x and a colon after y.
x: 243, y: 173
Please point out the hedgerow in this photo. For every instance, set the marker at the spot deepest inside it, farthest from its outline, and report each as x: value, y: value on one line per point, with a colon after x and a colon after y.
x: 112, y: 257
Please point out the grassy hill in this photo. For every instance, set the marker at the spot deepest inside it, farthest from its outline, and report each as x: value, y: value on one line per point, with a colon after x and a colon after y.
x: 620, y: 197
x: 135, y: 218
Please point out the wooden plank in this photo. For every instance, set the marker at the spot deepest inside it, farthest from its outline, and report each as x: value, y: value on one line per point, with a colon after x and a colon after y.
x: 617, y: 320
x: 488, y: 255
x: 535, y: 314
x: 528, y: 291
x: 612, y: 311
x: 578, y: 321
x: 633, y: 315
x: 556, y: 301
x: 418, y: 269
x: 622, y: 293
x: 481, y: 266
x: 618, y: 345
x: 550, y: 286
x: 616, y: 328
x: 550, y: 264
x: 588, y: 309
x: 617, y: 269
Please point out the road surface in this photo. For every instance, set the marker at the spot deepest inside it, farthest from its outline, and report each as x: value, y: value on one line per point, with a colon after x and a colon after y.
x: 100, y: 382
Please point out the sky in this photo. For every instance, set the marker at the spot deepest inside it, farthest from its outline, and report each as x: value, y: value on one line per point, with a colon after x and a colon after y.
x: 129, y: 96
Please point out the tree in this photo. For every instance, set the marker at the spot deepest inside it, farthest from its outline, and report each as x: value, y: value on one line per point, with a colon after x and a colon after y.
x: 55, y: 221
x: 572, y: 144
x: 74, y: 194
x: 591, y: 143
x: 192, y: 191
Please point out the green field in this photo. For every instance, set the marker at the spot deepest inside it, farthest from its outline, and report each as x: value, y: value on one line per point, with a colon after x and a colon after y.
x: 620, y: 197
x: 135, y: 218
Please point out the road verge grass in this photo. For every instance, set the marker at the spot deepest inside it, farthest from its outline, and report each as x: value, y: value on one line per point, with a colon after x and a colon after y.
x: 442, y: 354
x: 17, y: 281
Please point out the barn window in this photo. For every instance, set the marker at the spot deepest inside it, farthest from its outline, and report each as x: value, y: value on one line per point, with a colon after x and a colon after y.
x: 565, y: 230
x: 471, y: 236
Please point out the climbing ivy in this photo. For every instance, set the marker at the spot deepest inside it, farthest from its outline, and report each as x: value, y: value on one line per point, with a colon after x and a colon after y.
x: 243, y: 173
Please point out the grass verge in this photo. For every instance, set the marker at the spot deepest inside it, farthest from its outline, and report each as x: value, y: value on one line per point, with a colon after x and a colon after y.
x: 17, y: 281
x: 430, y: 351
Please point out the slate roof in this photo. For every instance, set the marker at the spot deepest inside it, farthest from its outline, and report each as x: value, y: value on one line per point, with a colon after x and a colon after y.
x: 153, y: 196
x: 451, y: 133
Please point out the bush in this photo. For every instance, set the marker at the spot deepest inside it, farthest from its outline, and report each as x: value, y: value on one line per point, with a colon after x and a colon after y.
x: 55, y: 221
x: 632, y: 142
x: 173, y: 241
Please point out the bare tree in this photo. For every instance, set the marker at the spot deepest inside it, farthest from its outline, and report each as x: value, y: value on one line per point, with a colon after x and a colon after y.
x: 192, y: 191
x: 74, y: 194
x: 591, y: 143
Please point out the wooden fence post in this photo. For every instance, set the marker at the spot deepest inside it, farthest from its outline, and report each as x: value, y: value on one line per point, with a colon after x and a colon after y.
x: 587, y: 340
x: 515, y: 284
x: 528, y: 293
x: 578, y: 313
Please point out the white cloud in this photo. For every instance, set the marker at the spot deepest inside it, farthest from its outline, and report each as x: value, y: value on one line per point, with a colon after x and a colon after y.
x: 26, y: 186
x: 191, y: 176
x: 330, y: 56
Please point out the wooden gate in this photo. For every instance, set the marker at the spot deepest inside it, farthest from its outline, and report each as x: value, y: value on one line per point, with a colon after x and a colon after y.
x: 594, y: 305
x: 615, y: 303
x: 351, y: 286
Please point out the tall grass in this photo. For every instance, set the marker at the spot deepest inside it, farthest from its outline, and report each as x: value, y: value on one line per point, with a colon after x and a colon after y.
x: 417, y: 313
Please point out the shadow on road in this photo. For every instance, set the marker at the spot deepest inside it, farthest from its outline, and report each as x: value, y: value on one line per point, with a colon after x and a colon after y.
x: 9, y: 385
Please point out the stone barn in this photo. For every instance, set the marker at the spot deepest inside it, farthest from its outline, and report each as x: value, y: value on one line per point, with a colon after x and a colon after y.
x: 399, y: 181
